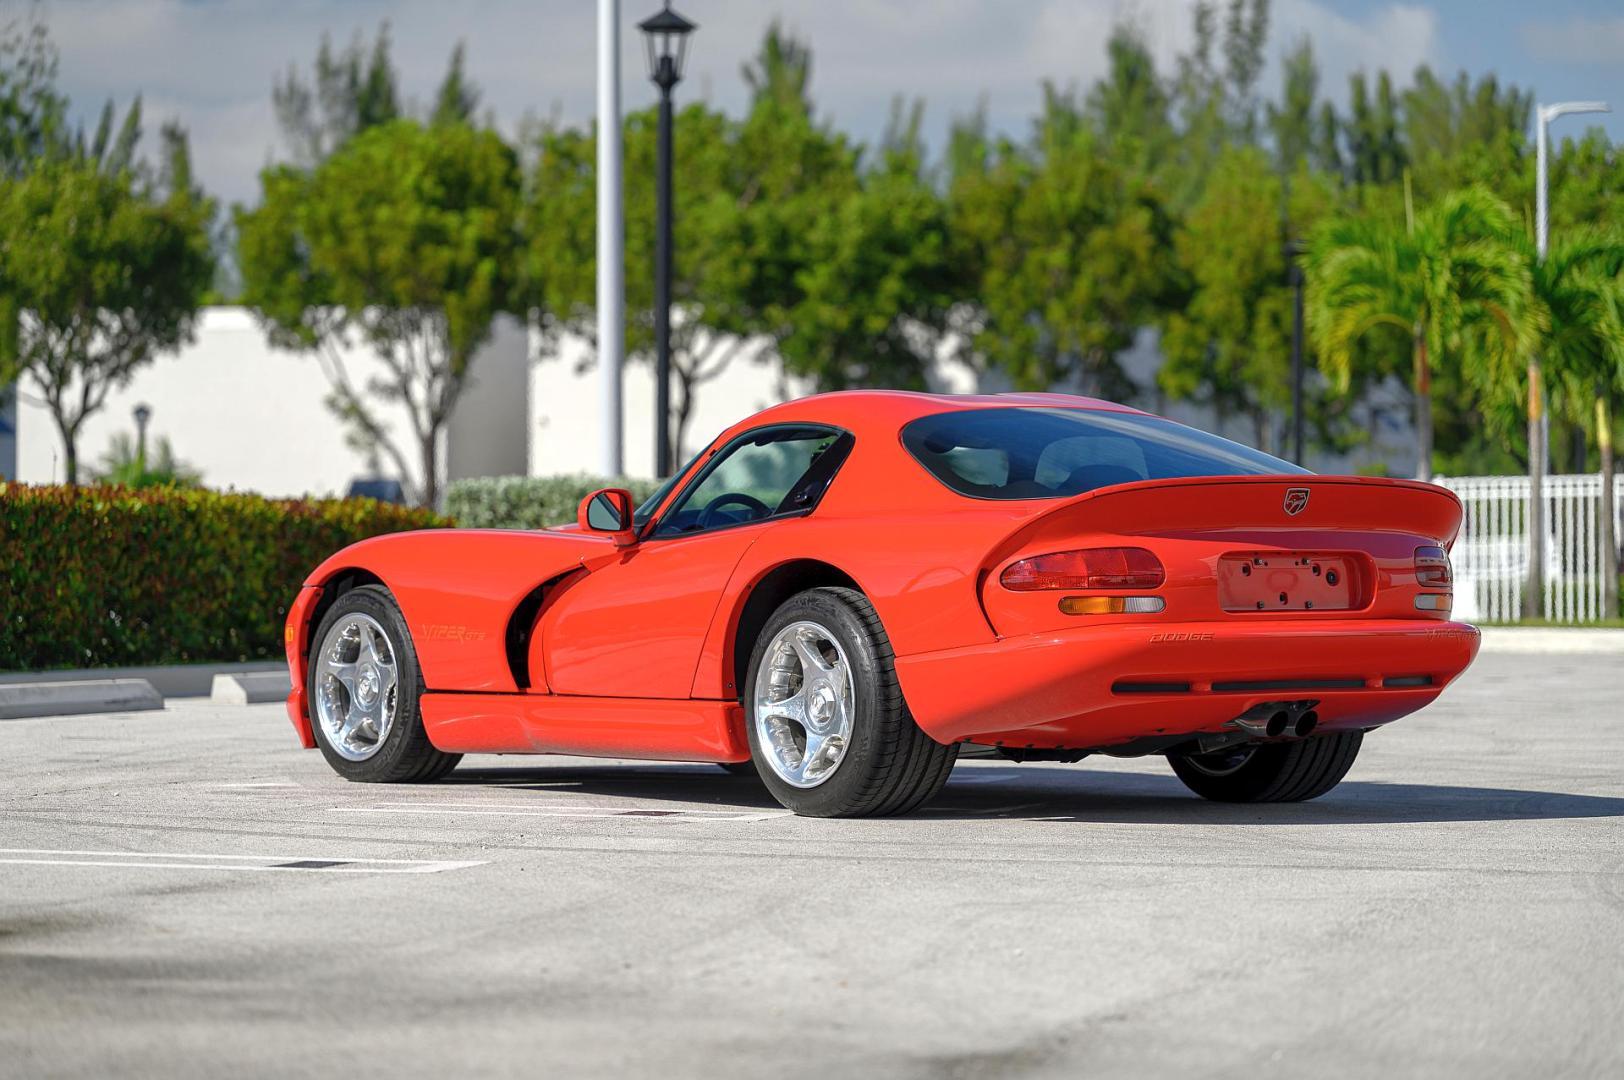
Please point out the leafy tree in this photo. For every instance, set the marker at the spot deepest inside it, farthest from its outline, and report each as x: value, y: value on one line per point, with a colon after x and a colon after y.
x: 407, y: 240
x: 97, y: 277
x: 749, y: 195
x: 1292, y: 121
x: 347, y: 93
x: 458, y: 98
x: 1129, y: 107
x: 1452, y: 285
x: 879, y: 280
x: 559, y: 227
x: 1068, y: 247
x: 1215, y: 88
x: 1327, y: 142
x: 1230, y: 344
x: 1586, y: 183
x: 711, y: 267
x: 32, y: 112
x: 1246, y: 29
x: 1376, y: 152
x: 1466, y: 133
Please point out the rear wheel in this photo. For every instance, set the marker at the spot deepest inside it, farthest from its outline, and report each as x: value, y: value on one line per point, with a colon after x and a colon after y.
x: 829, y: 731
x: 1270, y: 772
x: 363, y: 693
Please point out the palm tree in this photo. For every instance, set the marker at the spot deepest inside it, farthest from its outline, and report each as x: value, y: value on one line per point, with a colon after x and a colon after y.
x: 1579, y: 292
x: 1447, y: 279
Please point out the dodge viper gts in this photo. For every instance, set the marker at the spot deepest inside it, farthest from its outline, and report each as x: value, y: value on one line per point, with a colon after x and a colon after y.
x: 840, y: 592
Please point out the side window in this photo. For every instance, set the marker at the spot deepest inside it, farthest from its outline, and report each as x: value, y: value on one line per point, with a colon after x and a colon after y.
x: 754, y: 479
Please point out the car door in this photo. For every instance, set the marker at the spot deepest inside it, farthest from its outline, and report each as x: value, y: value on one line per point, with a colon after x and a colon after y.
x: 635, y: 624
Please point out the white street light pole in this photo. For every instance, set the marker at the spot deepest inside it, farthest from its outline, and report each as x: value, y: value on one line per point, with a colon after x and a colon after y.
x: 1546, y: 114
x: 1539, y: 440
x: 611, y: 241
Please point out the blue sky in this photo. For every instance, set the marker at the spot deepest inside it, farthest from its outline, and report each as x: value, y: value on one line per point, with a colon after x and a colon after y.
x: 210, y: 63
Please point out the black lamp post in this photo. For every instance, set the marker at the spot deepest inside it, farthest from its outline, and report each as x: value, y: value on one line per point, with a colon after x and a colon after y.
x: 666, y: 35
x: 1294, y: 249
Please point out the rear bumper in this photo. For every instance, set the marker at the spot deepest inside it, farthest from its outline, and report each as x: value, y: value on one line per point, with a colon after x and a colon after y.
x: 1102, y: 685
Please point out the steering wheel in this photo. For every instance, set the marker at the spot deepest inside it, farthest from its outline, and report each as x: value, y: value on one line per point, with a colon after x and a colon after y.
x: 707, y: 517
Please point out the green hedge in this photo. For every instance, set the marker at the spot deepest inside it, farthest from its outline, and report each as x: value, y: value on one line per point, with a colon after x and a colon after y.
x: 530, y: 502
x: 105, y: 576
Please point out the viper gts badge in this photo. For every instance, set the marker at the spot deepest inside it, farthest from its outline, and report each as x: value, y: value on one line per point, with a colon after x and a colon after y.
x: 1296, y: 500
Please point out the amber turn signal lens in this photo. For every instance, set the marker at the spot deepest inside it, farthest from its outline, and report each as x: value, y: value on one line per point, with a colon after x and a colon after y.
x: 1111, y: 605
x: 1433, y: 602
x: 1090, y: 568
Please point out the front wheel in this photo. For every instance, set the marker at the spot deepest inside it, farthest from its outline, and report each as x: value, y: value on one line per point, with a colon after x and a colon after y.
x: 363, y: 692
x: 1270, y: 772
x: 829, y: 731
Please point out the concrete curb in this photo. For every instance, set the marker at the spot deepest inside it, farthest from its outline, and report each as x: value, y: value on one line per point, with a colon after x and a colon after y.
x: 170, y: 680
x: 1551, y: 639
x: 21, y: 701
x: 251, y: 688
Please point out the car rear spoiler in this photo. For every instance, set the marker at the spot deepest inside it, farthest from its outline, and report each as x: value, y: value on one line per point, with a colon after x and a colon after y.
x: 1248, y: 504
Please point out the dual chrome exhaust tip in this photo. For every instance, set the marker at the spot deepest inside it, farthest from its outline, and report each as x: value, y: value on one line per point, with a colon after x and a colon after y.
x: 1279, y: 720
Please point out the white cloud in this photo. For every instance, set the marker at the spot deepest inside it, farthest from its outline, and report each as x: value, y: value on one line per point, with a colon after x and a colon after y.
x: 1398, y: 37
x: 1577, y: 41
x: 211, y: 64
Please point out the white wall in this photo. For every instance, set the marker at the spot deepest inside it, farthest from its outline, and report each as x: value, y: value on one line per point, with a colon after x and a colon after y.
x: 254, y: 418
x: 564, y: 406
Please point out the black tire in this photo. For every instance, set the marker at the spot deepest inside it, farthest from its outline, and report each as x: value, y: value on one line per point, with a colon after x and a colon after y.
x: 405, y: 755
x: 890, y: 766
x: 1270, y: 772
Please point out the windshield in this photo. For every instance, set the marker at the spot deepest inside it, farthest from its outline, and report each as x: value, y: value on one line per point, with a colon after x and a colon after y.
x: 646, y: 510
x: 1031, y: 453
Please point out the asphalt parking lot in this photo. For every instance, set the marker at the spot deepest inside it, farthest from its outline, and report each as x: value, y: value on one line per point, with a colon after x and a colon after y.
x: 186, y: 894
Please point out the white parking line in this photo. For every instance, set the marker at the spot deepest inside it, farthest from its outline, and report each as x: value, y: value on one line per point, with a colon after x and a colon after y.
x: 594, y: 812
x: 147, y: 860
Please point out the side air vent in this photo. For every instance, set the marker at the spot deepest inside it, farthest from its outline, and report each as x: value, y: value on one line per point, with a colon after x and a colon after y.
x: 521, y: 624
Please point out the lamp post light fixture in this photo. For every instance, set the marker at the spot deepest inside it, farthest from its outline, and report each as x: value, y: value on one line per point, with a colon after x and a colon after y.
x: 665, y: 34
x: 143, y: 415
x: 1538, y: 424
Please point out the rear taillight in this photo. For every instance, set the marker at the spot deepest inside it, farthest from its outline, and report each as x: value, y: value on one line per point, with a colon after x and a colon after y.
x: 1432, y: 570
x: 1091, y: 568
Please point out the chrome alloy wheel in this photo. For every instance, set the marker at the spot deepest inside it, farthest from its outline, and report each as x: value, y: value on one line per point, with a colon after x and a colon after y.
x: 804, y: 704
x: 356, y: 691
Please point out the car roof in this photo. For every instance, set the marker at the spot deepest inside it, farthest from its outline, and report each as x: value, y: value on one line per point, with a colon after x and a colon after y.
x: 867, y: 410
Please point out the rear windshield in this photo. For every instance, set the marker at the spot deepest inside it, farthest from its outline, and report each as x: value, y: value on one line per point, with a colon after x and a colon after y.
x: 1027, y: 453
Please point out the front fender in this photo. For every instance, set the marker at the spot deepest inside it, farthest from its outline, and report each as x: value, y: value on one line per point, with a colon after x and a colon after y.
x: 458, y: 588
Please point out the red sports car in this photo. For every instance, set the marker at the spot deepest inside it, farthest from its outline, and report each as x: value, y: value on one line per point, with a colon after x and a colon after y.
x: 845, y: 589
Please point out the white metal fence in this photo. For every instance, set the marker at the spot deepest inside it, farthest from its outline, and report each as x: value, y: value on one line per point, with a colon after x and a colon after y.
x: 1491, y: 555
